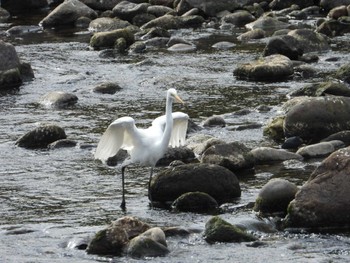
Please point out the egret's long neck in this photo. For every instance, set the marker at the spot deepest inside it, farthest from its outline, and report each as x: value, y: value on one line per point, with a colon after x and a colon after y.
x: 168, y: 123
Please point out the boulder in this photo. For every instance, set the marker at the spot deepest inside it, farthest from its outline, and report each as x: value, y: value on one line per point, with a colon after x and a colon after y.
x: 238, y: 18
x: 174, y: 22
x: 107, y: 88
x: 309, y: 40
x: 281, y: 4
x: 214, y: 121
x: 41, y: 137
x: 219, y: 230
x: 268, y: 154
x: 343, y: 73
x: 108, y: 39
x: 201, y: 142
x: 113, y: 239
x: 252, y: 34
x: 334, y: 28
x: 127, y: 10
x: 18, y: 5
x: 58, y: 99
x: 67, y: 13
x: 292, y: 143
x: 323, y: 201
x: 270, y: 68
x: 159, y: 10
x: 101, y: 4
x: 315, y: 118
x: 62, y: 143
x: 320, y: 149
x: 323, y: 89
x: 268, y: 24
x: 103, y: 24
x: 212, y: 7
x: 285, y: 45
x: 216, y: 181
x: 182, y: 48
x: 337, y: 12
x: 275, y: 196
x: 150, y: 243
x: 234, y: 156
x: 343, y: 136
x: 197, y: 202
x: 178, y: 153
x: 329, y: 4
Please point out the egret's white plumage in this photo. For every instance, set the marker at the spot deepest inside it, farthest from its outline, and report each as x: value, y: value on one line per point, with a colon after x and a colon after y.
x: 145, y: 146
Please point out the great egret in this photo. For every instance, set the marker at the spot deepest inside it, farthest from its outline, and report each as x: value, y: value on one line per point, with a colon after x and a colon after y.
x: 145, y: 146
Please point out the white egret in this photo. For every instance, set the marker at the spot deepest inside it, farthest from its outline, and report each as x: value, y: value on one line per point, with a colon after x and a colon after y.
x: 145, y: 146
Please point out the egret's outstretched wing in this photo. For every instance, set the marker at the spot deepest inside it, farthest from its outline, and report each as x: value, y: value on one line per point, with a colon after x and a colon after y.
x: 122, y: 133
x: 178, y: 135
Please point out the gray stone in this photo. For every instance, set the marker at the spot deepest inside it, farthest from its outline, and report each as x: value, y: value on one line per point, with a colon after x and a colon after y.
x: 103, y: 24
x: 196, y: 202
x: 238, y: 18
x: 320, y: 149
x: 269, y: 154
x: 58, y: 99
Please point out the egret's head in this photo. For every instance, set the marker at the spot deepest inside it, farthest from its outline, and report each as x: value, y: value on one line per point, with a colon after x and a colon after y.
x: 173, y: 94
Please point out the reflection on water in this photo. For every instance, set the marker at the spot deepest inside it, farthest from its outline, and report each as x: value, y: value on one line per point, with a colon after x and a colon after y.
x: 51, y: 197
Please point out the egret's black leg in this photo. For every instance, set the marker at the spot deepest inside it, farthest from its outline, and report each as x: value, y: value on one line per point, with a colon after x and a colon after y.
x: 122, y: 205
x: 149, y: 186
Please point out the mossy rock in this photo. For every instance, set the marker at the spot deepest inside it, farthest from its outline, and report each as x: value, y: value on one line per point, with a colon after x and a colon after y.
x: 108, y: 39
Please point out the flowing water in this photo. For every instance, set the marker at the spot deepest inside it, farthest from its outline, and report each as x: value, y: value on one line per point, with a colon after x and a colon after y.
x: 53, y: 199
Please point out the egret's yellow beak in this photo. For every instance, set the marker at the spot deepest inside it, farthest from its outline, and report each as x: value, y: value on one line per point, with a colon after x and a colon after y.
x: 178, y: 99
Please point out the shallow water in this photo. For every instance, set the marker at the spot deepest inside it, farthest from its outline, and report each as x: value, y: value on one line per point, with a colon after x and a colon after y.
x: 51, y: 199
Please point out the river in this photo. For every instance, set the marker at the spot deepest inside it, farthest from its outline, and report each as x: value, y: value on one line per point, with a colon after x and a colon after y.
x: 52, y: 199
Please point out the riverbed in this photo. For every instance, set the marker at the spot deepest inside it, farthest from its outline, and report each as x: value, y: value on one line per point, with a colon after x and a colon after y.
x: 53, y: 199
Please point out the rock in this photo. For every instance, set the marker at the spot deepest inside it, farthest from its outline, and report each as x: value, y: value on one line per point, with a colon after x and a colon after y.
x: 217, y: 181
x: 113, y: 239
x: 197, y: 202
x: 268, y: 24
x: 271, y: 68
x: 280, y: 4
x: 238, y: 18
x: 174, y: 22
x: 224, y: 45
x: 274, y: 129
x: 320, y: 149
x: 159, y: 10
x: 309, y: 40
x: 182, y: 48
x: 176, y: 231
x: 178, y: 153
x: 63, y: 143
x: 252, y: 34
x: 211, y: 8
x: 323, y: 89
x: 127, y: 10
x: 200, y: 143
x: 343, y: 136
x: 214, y: 121
x: 292, y: 143
x: 17, y: 5
x: 58, y: 99
x: 275, y: 197
x: 219, y: 230
x: 316, y: 118
x: 41, y: 137
x: 142, y: 19
x: 103, y: 24
x: 329, y: 4
x: 343, y: 73
x: 268, y: 154
x: 107, y: 39
x: 67, y: 13
x: 151, y: 243
x: 285, y: 45
x: 101, y: 4
x: 337, y: 12
x: 333, y: 27
x: 234, y: 156
x: 159, y: 32
x: 107, y: 88
x: 4, y: 15
x: 324, y: 200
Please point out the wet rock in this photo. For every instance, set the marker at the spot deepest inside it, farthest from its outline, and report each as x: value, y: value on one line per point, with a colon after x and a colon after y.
x: 182, y: 48
x: 107, y: 88
x: 63, y: 143
x: 343, y: 73
x: 127, y: 10
x: 268, y: 24
x: 252, y: 34
x: 58, y: 99
x: 101, y: 4
x: 174, y: 22
x: 67, y: 13
x: 280, y: 4
x: 107, y: 39
x: 234, y: 156
x: 16, y: 5
x: 343, y: 136
x: 320, y: 149
x: 142, y: 19
x: 219, y: 230
x: 157, y: 42
x: 159, y: 10
x: 285, y: 45
x: 274, y: 129
x: 224, y: 45
x: 201, y: 142
x: 269, y: 154
x: 151, y: 243
x: 197, y: 202
x: 4, y: 15
x: 217, y: 181
x: 323, y: 89
x: 315, y: 118
x: 103, y: 24
x: 176, y: 231
x: 333, y: 27
x: 113, y: 239
x: 329, y: 4
x: 275, y: 197
x: 214, y: 121
x: 309, y: 40
x: 41, y: 137
x: 138, y: 47
x: 337, y: 12
x: 324, y: 200
x: 82, y: 22
x: 257, y: 225
x: 292, y: 143
x: 178, y: 153
x: 273, y: 68
x: 158, y: 32
x: 211, y: 8
x: 238, y: 18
